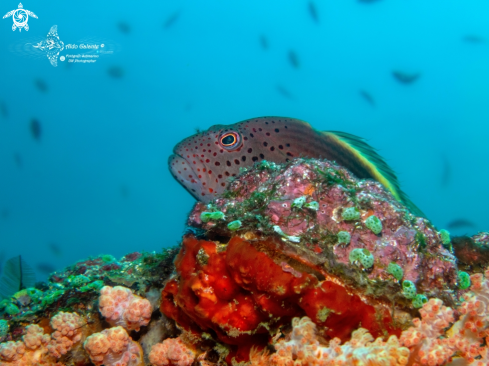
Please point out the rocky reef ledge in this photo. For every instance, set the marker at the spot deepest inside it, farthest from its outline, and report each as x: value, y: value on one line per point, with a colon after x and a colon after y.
x: 295, y: 264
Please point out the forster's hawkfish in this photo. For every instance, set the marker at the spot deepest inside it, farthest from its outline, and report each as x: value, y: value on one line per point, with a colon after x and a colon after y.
x: 203, y: 163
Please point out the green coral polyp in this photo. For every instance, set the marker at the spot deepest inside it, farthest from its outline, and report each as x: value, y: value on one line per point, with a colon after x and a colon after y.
x: 12, y: 309
x: 298, y: 202
x: 350, y: 214
x: 80, y: 280
x: 409, y: 289
x: 395, y: 270
x: 374, y: 224
x: 313, y: 205
x: 344, y: 237
x: 445, y: 237
x: 463, y: 280
x: 4, y: 327
x: 419, y: 300
x: 96, y: 286
x: 234, y: 225
x: 209, y: 216
x: 363, y: 256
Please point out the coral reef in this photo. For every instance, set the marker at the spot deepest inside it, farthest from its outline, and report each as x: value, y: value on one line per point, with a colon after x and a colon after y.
x: 172, y: 351
x: 119, y: 306
x: 113, y: 347
x: 303, y: 347
x: 295, y: 264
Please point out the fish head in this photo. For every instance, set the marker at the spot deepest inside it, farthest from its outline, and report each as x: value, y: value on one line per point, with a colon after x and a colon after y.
x: 204, y: 162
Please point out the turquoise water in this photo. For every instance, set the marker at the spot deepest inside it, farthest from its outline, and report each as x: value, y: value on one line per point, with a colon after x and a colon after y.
x: 96, y: 181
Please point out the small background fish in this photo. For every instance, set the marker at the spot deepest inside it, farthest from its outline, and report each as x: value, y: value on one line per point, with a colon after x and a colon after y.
x: 190, y: 64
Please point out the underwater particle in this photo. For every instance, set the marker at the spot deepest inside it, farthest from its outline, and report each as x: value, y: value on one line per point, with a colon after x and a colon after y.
x: 408, y: 289
x: 12, y: 309
x: 4, y: 327
x: 363, y: 256
x: 395, y: 270
x: 419, y: 300
x: 350, y: 213
x: 278, y: 230
x: 35, y: 127
x: 405, y: 78
x: 208, y: 216
x: 115, y: 72
x: 374, y: 224
x: 234, y: 225
x: 299, y: 202
x: 445, y: 237
x: 313, y: 205
x: 344, y: 237
x: 463, y: 280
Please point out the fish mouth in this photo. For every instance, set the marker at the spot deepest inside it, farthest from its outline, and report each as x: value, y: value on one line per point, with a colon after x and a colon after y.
x: 183, y: 172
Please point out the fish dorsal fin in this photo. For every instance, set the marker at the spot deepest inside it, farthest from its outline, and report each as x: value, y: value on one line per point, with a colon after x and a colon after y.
x: 375, y: 164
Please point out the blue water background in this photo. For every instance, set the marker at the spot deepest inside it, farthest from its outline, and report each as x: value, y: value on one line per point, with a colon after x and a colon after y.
x: 97, y: 181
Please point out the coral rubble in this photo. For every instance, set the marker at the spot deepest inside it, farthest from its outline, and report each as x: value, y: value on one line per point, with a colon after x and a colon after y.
x: 295, y: 264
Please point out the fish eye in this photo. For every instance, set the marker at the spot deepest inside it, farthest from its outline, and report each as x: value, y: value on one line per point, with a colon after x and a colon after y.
x: 230, y: 140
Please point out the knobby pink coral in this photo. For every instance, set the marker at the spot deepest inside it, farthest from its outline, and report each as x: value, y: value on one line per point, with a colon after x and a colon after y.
x: 303, y: 348
x: 431, y: 344
x: 121, y: 307
x: 37, y: 348
x: 67, y: 331
x: 171, y: 352
x: 113, y: 347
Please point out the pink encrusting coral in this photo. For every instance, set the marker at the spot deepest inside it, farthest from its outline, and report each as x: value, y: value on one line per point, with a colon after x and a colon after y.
x: 172, y: 351
x: 303, y: 347
x: 121, y: 307
x: 68, y: 328
x: 308, y: 202
x: 424, y: 338
x: 433, y: 343
x: 113, y: 347
x: 37, y: 348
